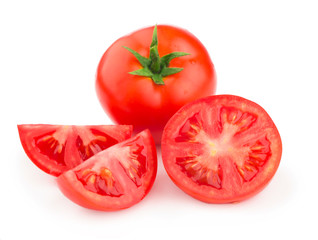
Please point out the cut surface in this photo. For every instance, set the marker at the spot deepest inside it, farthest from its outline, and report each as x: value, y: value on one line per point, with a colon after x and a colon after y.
x: 221, y: 148
x: 115, y: 178
x: 91, y: 141
x: 48, y: 145
x: 57, y: 148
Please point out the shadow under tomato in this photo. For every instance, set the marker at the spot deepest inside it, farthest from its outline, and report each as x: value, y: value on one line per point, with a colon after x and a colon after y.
x: 276, y: 194
x: 164, y: 190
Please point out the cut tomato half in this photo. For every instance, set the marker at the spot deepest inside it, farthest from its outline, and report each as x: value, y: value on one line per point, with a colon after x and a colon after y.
x: 221, y: 149
x: 115, y: 178
x: 57, y: 148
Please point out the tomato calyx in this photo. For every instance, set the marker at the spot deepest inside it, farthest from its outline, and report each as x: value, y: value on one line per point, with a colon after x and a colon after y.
x: 156, y: 67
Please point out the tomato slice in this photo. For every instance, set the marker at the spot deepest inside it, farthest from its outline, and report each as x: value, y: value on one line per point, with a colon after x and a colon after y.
x: 221, y: 149
x: 115, y: 178
x: 57, y: 148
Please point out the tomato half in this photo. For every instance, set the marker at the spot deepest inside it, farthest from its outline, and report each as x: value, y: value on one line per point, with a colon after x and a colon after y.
x: 115, y: 178
x: 221, y: 149
x: 57, y: 148
x: 135, y: 90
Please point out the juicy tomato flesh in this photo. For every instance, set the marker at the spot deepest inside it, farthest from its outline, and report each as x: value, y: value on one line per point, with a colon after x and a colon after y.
x: 115, y: 178
x: 221, y: 148
x: 57, y: 148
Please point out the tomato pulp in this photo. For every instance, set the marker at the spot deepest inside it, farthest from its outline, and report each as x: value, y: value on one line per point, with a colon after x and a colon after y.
x: 115, y: 178
x: 57, y: 148
x: 221, y: 149
x: 142, y: 100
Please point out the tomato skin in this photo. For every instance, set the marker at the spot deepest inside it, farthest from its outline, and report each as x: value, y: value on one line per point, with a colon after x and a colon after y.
x: 248, y: 159
x: 136, y: 100
x: 74, y: 189
x: 43, y: 142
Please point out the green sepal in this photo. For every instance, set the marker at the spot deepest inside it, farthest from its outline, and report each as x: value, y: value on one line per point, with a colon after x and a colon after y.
x: 157, y: 78
x: 142, y: 60
x: 154, y: 41
x: 155, y: 63
x: 145, y: 72
x: 165, y: 60
x: 169, y: 71
x: 156, y: 67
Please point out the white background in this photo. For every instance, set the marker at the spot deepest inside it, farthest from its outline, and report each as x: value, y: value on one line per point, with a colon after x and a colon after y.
x: 266, y: 51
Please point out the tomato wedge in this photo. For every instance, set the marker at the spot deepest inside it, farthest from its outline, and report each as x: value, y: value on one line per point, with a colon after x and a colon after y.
x: 57, y: 148
x: 221, y: 149
x: 115, y: 178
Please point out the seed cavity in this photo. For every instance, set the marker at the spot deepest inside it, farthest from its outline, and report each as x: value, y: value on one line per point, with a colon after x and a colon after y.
x: 199, y: 173
x: 190, y: 129
x: 241, y: 121
x: 135, y: 165
x: 99, y: 141
x: 102, y: 182
x: 258, y: 154
x: 48, y: 145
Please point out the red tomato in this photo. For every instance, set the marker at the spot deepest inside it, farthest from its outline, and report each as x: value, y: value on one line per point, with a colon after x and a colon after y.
x: 115, y: 178
x: 221, y: 149
x: 57, y: 148
x: 141, y: 92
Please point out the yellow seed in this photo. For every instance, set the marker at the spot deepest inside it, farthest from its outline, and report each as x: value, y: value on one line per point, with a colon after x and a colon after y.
x: 46, y: 138
x: 131, y: 174
x: 195, y: 127
x: 92, y: 179
x: 248, y: 168
x: 190, y: 160
x: 133, y: 169
x: 106, y: 173
x: 87, y: 151
x: 256, y: 156
x: 134, y: 155
x: 241, y: 171
x: 256, y: 148
x: 85, y: 172
x: 59, y: 148
x: 101, y: 138
x: 136, y: 162
x: 109, y: 182
x: 52, y: 145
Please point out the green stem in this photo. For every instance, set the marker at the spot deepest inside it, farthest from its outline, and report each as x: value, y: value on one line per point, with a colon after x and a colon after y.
x: 154, y: 59
x: 155, y: 67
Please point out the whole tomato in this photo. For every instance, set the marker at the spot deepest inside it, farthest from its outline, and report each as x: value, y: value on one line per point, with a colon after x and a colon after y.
x: 145, y: 77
